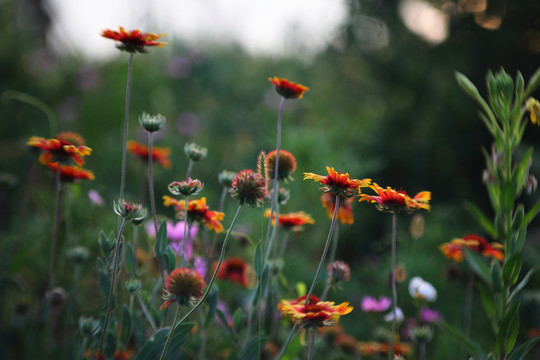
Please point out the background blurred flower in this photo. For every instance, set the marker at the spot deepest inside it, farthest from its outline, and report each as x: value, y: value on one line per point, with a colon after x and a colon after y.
x: 197, y: 211
x: 399, y: 315
x: 236, y: 270
x: 344, y: 214
x: 134, y: 40
x: 159, y: 154
x: 428, y: 315
x: 95, y: 198
x: 72, y: 173
x: 455, y: 249
x: 370, y: 304
x: 422, y: 290
x: 315, y: 313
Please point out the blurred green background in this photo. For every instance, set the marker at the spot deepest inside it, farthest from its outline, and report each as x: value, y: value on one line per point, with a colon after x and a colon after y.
x: 393, y: 114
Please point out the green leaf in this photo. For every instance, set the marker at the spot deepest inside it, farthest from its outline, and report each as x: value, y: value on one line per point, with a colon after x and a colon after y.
x: 496, y: 276
x: 257, y: 261
x: 523, y: 282
x: 506, y: 328
x: 512, y: 268
x: 487, y: 299
x: 479, y: 266
x: 482, y: 219
x: 212, y: 301
x: 223, y: 318
x: 169, y: 257
x: 468, y: 86
x: 521, y: 170
x: 104, y: 284
x: 253, y: 348
x: 529, y: 216
x: 238, y: 320
x: 262, y: 285
x: 130, y: 260
x: 153, y: 347
x: 127, y: 325
x: 523, y: 349
x: 518, y: 217
x: 475, y: 350
x: 533, y: 82
x: 161, y: 240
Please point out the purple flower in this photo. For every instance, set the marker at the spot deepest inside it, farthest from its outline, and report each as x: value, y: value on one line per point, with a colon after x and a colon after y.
x: 370, y: 304
x: 431, y: 316
x: 95, y: 198
x: 201, y: 265
x: 175, y: 233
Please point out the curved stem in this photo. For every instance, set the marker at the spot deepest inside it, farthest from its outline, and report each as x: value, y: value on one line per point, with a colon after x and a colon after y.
x: 126, y: 126
x: 169, y: 336
x: 214, y: 275
x: 30, y: 100
x: 332, y: 256
x: 111, y: 289
x: 394, y: 289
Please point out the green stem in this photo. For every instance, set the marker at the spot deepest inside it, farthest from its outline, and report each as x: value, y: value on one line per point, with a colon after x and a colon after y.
x: 126, y: 127
x: 169, y: 336
x: 35, y: 102
x: 394, y: 288
x: 151, y: 182
x: 333, y: 251
x: 111, y: 289
x: 311, y: 343
x: 184, y: 239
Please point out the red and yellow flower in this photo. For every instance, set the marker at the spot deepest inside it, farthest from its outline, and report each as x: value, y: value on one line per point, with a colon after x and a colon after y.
x: 315, y: 313
x: 344, y: 212
x: 340, y: 184
x: 397, y: 201
x: 58, y: 149
x: 293, y: 221
x: 236, y: 270
x: 134, y: 40
x: 288, y: 89
x: 183, y: 286
x: 72, y: 173
x: 159, y: 154
x: 197, y: 211
x: 455, y: 249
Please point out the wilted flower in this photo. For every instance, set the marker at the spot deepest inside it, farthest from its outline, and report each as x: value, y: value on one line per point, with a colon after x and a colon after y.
x: 370, y: 304
x: 455, y: 249
x: 315, y: 313
x: 131, y: 212
x: 397, y: 201
x: 292, y: 221
x: 59, y: 150
x: 151, y: 123
x: 72, y: 173
x: 236, y: 270
x: 533, y: 106
x: 338, y: 271
x: 195, y: 152
x: 159, y: 154
x: 344, y: 212
x: 286, y: 166
x: 134, y: 40
x: 338, y: 183
x: 288, y: 89
x: 186, y: 187
x: 183, y: 286
x: 226, y: 178
x: 249, y: 187
x: 422, y: 290
x: 197, y: 211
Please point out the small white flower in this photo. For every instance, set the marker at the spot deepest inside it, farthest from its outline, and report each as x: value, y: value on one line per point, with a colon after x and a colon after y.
x: 422, y: 290
x: 390, y: 316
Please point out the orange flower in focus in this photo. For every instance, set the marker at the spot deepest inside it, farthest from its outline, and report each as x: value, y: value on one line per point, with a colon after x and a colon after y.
x: 134, y: 40
x: 160, y: 155
x: 72, y: 173
x: 197, y: 211
x: 344, y: 213
x: 293, y: 221
x: 288, y: 89
x: 338, y: 183
x: 455, y: 249
x: 58, y: 149
x: 397, y: 201
x: 315, y: 313
x: 236, y: 270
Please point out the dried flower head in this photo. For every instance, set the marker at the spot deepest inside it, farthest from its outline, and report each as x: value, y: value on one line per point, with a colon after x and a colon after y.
x: 249, y: 187
x: 195, y: 152
x: 286, y: 166
x: 397, y: 201
x: 186, y: 187
x: 338, y: 183
x: 134, y: 40
x: 151, y: 123
x: 288, y: 89
x: 339, y: 271
x: 131, y: 212
x: 159, y: 154
x: 56, y: 297
x: 315, y: 313
x: 183, y: 286
x: 344, y: 212
x: 226, y: 178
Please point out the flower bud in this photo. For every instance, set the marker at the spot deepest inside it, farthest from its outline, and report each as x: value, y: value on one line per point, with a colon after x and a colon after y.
x: 57, y: 297
x: 195, y: 152
x: 133, y: 286
x: 88, y: 326
x: 186, y: 187
x: 151, y: 123
x: 78, y: 254
x: 131, y: 212
x: 226, y: 178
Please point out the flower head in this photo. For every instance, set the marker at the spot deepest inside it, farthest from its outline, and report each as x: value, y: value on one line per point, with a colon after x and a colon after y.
x: 195, y: 152
x: 186, y: 187
x: 72, y: 173
x: 338, y: 183
x: 293, y: 221
x: 131, y: 212
x: 159, y: 154
x: 197, y: 211
x: 134, y: 40
x: 397, y: 201
x: 183, y: 286
x: 151, y: 123
x: 226, y: 178
x: 236, y: 270
x: 59, y: 150
x: 430, y: 316
x: 315, y: 313
x: 344, y: 212
x: 286, y: 166
x: 249, y: 187
x: 533, y: 106
x: 370, y: 304
x: 339, y: 271
x: 422, y: 290
x: 288, y: 89
x: 398, y: 315
x: 455, y: 249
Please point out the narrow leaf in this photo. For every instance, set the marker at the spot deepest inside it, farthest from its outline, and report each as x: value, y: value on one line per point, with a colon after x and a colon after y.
x: 154, y: 345
x: 523, y: 349
x: 523, y: 282
x: 529, y: 216
x: 482, y: 219
x: 130, y: 260
x: 127, y: 325
x: 479, y: 266
x: 475, y: 350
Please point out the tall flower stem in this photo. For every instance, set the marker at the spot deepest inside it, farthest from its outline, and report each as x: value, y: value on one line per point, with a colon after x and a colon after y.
x: 169, y: 336
x: 126, y: 126
x: 311, y: 343
x: 111, y: 289
x: 394, y: 288
x: 184, y: 239
x: 190, y: 166
x: 468, y: 302
x: 317, y: 273
x: 276, y: 169
x: 56, y: 228
x: 151, y: 182
x: 333, y: 251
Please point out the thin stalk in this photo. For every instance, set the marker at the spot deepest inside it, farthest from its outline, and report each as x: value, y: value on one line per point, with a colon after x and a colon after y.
x: 146, y: 313
x: 111, y: 289
x: 311, y: 343
x: 184, y: 239
x: 273, y: 235
x: 294, y: 331
x: 126, y: 126
x: 56, y: 228
x: 190, y: 166
x: 284, y: 242
x: 169, y: 336
x: 394, y: 288
x: 151, y: 182
x: 325, y: 291
x: 468, y: 302
x: 333, y: 251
